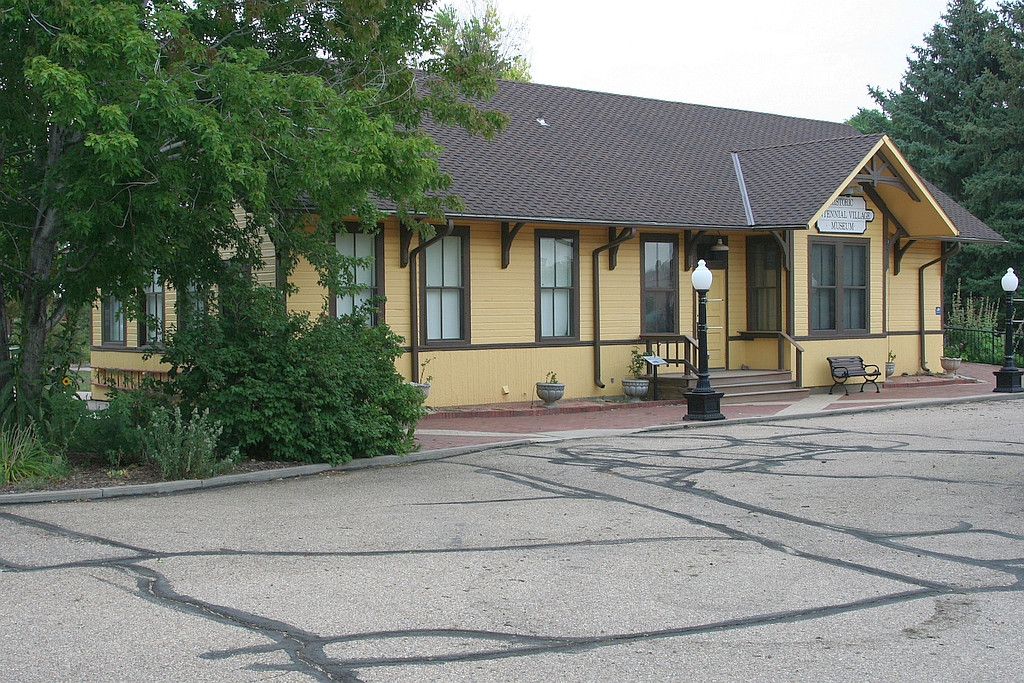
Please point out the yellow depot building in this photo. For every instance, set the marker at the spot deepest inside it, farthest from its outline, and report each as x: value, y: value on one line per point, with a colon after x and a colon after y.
x: 582, y: 224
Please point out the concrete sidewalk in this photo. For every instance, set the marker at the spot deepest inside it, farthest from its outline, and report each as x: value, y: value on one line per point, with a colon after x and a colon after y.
x: 518, y: 422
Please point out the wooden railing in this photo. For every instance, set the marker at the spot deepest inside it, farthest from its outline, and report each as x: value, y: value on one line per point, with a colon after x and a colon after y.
x: 674, y: 349
x: 783, y: 339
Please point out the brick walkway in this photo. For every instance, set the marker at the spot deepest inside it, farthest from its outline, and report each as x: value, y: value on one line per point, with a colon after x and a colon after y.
x: 493, y: 424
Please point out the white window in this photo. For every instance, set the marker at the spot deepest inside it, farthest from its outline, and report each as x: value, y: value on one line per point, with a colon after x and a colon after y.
x: 444, y: 289
x: 557, y: 291
x: 151, y: 329
x: 361, y: 276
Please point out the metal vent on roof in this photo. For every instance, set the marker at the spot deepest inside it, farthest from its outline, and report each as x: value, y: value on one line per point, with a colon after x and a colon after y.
x: 541, y: 121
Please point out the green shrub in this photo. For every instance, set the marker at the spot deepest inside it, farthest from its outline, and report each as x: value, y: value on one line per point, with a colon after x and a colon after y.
x: 185, y: 450
x: 23, y: 455
x: 115, y: 434
x: 286, y: 387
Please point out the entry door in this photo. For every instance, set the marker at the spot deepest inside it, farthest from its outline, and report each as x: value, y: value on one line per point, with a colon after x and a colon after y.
x: 717, y: 321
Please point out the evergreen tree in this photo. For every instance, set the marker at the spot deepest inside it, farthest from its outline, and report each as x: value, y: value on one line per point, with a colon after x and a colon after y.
x: 958, y: 119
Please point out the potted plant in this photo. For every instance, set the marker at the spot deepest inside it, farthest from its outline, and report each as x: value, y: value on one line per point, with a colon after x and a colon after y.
x: 550, y: 390
x: 636, y: 388
x: 424, y: 383
x: 890, y: 365
x: 952, y: 357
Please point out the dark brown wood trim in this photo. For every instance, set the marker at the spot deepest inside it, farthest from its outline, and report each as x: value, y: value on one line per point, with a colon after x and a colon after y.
x: 839, y: 332
x: 583, y: 343
x: 508, y: 235
x: 667, y: 238
x: 614, y: 235
x: 461, y: 231
x: 573, y: 235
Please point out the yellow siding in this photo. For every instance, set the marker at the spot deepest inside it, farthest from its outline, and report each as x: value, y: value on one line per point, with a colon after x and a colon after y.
x: 903, y: 290
x: 310, y: 297
x: 502, y: 300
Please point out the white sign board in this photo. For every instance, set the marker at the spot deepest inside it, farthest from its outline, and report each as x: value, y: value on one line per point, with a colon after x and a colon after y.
x: 655, y: 360
x: 846, y: 215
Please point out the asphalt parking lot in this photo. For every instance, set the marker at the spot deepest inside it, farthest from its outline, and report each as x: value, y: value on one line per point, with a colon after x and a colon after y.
x: 874, y: 546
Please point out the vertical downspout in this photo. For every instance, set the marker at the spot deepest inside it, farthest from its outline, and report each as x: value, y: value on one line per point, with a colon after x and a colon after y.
x: 414, y: 345
x: 946, y: 255
x: 628, y: 234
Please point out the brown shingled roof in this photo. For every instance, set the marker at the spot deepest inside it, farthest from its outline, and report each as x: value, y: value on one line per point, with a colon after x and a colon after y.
x: 579, y: 156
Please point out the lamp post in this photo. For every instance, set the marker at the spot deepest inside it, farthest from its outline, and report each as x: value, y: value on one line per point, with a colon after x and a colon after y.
x: 1008, y: 376
x: 703, y: 402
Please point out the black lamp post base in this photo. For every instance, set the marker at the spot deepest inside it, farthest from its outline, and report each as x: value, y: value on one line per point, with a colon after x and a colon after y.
x: 704, y: 406
x: 1008, y: 381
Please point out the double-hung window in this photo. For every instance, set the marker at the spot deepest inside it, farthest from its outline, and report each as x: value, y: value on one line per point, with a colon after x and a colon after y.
x: 151, y: 328
x: 659, y: 284
x: 446, y: 288
x: 839, y: 286
x: 113, y: 321
x: 362, y: 276
x: 557, y: 284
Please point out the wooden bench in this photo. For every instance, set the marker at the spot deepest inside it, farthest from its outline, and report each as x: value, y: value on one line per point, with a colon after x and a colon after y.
x: 845, y: 367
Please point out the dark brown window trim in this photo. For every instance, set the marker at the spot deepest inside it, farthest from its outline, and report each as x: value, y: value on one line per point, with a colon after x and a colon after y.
x: 840, y: 332
x: 378, y: 265
x: 107, y: 343
x: 760, y: 242
x: 573, y: 235
x: 461, y: 231
x: 645, y: 238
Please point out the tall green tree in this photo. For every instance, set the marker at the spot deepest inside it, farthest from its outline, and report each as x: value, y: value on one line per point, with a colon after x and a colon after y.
x: 957, y: 116
x: 131, y: 130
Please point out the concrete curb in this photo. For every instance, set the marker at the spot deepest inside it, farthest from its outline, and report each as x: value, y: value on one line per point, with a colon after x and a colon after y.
x: 166, y: 487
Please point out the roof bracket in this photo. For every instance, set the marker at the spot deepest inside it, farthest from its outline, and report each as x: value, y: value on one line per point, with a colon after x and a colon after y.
x: 785, y: 240
x: 899, y: 250
x: 405, y: 238
x: 507, y: 236
x: 615, y: 238
x: 690, y: 238
x: 405, y: 241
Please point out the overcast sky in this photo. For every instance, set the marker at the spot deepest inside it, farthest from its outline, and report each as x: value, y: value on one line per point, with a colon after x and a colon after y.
x: 808, y: 58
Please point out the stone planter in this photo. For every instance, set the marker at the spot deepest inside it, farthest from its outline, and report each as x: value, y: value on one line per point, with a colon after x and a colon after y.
x: 424, y: 387
x: 890, y: 369
x: 549, y: 392
x: 950, y: 365
x: 636, y: 389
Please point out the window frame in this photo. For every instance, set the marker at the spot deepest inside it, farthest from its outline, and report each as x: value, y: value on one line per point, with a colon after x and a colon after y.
x: 378, y: 271
x: 757, y: 245
x: 462, y: 232
x: 840, y: 329
x: 106, y: 322
x: 573, y: 288
x: 646, y: 239
x: 154, y: 288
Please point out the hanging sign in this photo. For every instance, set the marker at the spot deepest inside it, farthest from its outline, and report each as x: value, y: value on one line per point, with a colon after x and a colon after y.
x: 846, y: 215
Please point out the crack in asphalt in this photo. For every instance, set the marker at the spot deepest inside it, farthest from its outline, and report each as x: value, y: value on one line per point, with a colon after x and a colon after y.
x: 697, y: 455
